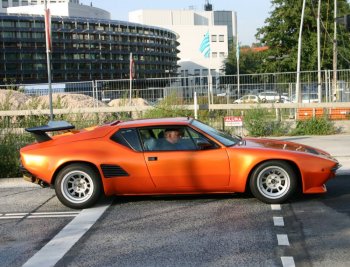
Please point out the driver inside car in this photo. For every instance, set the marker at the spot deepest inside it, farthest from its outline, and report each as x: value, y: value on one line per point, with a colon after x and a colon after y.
x: 171, y: 140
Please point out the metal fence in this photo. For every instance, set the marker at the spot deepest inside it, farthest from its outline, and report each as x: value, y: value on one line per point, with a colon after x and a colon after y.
x: 224, y: 89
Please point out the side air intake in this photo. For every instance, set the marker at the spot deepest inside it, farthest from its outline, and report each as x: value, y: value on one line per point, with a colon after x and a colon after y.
x: 110, y: 171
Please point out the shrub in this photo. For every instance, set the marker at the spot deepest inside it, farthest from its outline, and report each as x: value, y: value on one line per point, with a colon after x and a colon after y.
x: 9, y: 153
x: 260, y: 122
x: 314, y: 126
x: 167, y: 107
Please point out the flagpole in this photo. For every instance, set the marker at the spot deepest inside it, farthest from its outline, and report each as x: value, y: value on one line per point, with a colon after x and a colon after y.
x: 237, y: 57
x: 47, y: 18
x: 130, y: 76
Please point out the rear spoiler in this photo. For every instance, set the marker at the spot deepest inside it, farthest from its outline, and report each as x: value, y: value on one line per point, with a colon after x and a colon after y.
x: 53, y: 126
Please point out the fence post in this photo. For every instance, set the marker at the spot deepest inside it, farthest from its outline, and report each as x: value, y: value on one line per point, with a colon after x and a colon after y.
x: 94, y: 90
x: 195, y: 105
x: 278, y: 114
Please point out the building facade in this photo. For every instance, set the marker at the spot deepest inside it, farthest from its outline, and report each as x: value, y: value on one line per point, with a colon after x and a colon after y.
x: 67, y: 8
x: 83, y: 48
x: 204, y: 36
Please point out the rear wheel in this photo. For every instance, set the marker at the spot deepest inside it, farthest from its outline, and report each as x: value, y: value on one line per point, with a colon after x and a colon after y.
x: 78, y: 186
x: 273, y: 182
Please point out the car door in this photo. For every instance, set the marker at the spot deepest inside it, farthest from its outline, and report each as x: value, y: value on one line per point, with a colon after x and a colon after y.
x: 190, y: 168
x: 124, y: 167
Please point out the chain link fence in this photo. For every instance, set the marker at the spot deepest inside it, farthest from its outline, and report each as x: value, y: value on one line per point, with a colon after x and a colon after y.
x: 223, y: 89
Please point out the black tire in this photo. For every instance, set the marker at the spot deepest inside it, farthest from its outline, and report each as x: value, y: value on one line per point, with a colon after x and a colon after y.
x: 273, y: 182
x: 264, y: 100
x: 78, y: 186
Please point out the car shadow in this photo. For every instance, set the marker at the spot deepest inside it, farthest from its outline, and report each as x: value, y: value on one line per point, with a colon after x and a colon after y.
x: 117, y: 200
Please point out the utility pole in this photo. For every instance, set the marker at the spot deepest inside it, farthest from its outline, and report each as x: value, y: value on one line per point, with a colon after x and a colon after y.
x: 319, y: 79
x: 47, y: 18
x: 298, y: 93
x: 334, y: 85
x: 237, y: 58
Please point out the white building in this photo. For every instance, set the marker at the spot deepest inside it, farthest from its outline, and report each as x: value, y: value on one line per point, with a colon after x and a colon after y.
x: 204, y: 36
x: 64, y: 8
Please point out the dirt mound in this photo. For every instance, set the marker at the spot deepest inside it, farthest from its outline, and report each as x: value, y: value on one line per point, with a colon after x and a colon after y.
x: 67, y: 101
x: 12, y: 100
x: 125, y: 102
x: 15, y: 100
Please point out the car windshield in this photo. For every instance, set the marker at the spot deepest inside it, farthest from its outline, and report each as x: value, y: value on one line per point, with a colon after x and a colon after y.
x: 222, y: 137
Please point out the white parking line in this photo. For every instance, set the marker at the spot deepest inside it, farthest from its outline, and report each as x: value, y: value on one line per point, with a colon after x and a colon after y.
x: 275, y: 206
x: 11, y: 217
x: 278, y: 221
x: 51, y: 216
x: 282, y: 240
x: 53, y: 251
x: 288, y: 261
x: 29, y: 215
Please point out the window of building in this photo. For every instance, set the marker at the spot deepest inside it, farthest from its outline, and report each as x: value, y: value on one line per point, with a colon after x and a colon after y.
x: 27, y: 56
x: 23, y: 24
x: 221, y: 38
x: 24, y: 34
x: 9, y: 34
x: 38, y: 24
x: 7, y: 23
x: 214, y: 54
x: 221, y: 54
x: 11, y: 56
x: 213, y: 38
x: 38, y: 35
x: 5, y: 3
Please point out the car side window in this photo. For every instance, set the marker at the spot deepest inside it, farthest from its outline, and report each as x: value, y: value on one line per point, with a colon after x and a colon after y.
x: 201, y: 142
x: 174, y: 138
x: 128, y: 138
x: 166, y: 138
x: 149, y: 138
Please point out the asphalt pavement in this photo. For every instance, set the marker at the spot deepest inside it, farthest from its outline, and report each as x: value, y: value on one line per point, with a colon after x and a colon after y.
x: 337, y: 145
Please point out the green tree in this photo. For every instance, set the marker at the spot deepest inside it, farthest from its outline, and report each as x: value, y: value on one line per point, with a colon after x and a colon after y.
x: 250, y: 62
x: 281, y: 32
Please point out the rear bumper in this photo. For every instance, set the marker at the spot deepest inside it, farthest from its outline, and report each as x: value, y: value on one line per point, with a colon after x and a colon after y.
x: 28, y: 177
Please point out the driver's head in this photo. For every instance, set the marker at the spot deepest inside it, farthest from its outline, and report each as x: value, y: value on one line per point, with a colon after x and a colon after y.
x: 172, y: 135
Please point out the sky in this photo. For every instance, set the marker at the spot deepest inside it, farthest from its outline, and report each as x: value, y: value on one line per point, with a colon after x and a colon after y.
x: 251, y: 14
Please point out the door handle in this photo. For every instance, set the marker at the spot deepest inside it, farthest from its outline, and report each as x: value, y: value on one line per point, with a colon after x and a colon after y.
x: 152, y: 158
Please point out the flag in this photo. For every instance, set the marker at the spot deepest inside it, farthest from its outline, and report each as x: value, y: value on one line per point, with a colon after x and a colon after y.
x: 205, y: 45
x: 132, y: 67
x: 48, y: 29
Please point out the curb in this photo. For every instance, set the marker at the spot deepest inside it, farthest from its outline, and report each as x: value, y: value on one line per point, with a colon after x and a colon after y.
x: 16, y: 182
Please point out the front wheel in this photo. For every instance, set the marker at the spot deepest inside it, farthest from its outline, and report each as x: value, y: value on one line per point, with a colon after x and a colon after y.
x: 273, y: 182
x: 78, y: 186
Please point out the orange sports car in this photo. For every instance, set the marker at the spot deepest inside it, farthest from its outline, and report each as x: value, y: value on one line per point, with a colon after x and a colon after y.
x: 169, y: 156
